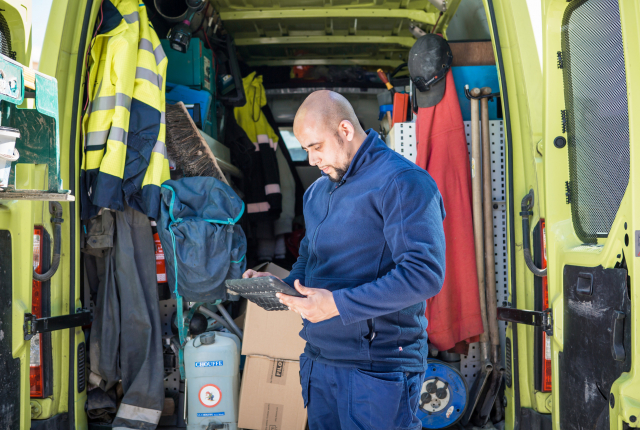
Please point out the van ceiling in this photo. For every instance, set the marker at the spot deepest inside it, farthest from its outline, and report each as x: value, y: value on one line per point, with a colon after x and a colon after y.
x: 329, y: 32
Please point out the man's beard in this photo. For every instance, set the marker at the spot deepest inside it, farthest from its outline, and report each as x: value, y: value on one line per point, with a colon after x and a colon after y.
x: 340, y: 171
x: 339, y: 174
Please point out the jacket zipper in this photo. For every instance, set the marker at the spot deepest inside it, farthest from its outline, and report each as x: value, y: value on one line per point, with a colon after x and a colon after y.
x: 313, y: 244
x: 315, y: 233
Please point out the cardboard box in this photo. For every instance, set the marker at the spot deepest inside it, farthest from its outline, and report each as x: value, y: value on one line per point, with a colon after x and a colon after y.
x: 271, y: 396
x: 243, y: 313
x: 272, y: 333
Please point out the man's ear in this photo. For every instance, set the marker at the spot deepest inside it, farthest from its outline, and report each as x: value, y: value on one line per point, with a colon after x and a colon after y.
x: 347, y: 129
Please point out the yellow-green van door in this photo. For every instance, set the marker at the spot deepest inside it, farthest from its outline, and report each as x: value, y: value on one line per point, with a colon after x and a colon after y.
x: 42, y: 374
x: 591, y: 118
x: 16, y: 252
x: 68, y: 34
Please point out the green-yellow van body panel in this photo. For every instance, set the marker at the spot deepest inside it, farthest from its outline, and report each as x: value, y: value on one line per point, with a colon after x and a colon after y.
x: 563, y: 245
x: 17, y: 13
x: 19, y: 218
x: 523, y: 78
x: 59, y: 59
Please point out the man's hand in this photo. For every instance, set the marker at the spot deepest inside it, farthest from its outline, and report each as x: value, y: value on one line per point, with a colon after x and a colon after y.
x: 317, y: 306
x: 253, y: 274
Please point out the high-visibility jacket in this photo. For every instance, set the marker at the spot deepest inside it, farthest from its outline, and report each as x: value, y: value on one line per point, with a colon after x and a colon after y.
x: 262, y: 194
x: 123, y: 128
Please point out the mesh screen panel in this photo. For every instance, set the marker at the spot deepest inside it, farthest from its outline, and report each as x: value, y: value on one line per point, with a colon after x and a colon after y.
x: 5, y: 39
x: 597, y: 114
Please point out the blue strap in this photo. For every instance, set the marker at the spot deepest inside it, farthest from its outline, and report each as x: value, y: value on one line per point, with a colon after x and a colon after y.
x: 229, y: 221
x: 182, y: 330
x: 173, y: 199
x: 239, y: 261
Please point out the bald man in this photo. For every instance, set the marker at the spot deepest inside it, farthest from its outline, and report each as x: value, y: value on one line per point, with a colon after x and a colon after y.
x: 373, y: 254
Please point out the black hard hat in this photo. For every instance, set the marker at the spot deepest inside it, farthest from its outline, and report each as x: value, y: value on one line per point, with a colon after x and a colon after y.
x: 429, y: 61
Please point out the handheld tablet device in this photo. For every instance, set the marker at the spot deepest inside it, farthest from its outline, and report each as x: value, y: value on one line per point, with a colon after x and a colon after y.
x: 262, y: 291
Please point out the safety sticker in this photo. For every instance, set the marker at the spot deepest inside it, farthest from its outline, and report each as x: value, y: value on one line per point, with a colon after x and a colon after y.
x: 209, y: 395
x: 208, y: 363
x: 211, y: 414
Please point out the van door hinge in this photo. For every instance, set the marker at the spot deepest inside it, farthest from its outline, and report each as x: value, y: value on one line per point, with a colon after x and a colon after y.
x: 34, y: 325
x: 542, y: 319
x: 563, y: 114
x: 567, y: 191
x: 560, y: 60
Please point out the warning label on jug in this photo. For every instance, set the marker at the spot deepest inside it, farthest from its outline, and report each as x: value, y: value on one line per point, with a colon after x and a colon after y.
x: 210, y: 395
x: 208, y: 363
x: 272, y: 417
x: 211, y: 414
x: 278, y: 373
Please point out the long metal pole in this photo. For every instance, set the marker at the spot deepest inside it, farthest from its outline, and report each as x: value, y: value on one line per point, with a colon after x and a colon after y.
x: 489, y: 252
x: 476, y: 182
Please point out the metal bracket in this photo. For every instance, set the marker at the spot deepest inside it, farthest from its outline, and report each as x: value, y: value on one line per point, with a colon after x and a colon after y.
x: 560, y: 60
x: 34, y: 325
x: 542, y: 319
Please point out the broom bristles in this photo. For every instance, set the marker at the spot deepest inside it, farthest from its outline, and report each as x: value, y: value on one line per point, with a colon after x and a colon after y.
x: 186, y: 147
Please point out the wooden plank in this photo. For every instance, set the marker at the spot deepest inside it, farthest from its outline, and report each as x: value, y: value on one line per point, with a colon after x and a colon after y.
x: 472, y: 54
x: 29, y: 78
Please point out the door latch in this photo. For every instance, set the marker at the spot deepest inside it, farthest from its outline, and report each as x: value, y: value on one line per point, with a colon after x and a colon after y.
x: 34, y: 325
x: 542, y: 319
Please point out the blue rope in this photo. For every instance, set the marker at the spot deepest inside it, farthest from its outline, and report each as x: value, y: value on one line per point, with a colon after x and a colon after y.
x: 239, y: 261
x: 229, y: 221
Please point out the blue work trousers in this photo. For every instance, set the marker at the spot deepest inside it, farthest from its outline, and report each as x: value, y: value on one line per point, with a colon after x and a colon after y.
x: 343, y: 398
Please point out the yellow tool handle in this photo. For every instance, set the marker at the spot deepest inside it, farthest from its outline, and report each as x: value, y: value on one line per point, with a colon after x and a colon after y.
x: 383, y: 78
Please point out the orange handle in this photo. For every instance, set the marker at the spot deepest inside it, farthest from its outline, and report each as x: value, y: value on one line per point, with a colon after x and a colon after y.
x: 383, y: 78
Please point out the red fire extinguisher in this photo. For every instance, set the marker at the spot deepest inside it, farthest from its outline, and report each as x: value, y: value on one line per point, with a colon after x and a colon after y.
x: 161, y: 269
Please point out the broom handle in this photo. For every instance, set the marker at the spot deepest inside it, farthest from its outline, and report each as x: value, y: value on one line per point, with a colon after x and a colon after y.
x: 476, y: 182
x: 488, y: 228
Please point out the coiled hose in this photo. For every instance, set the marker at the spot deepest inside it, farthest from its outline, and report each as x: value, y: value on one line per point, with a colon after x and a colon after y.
x: 56, y: 210
x: 527, y: 206
x: 233, y: 328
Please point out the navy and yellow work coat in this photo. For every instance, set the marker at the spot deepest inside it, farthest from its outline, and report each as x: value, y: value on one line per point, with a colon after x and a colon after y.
x: 124, y: 158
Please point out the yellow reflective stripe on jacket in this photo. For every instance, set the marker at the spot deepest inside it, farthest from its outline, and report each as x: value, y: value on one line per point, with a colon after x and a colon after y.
x: 110, y: 102
x: 158, y: 52
x: 131, y: 18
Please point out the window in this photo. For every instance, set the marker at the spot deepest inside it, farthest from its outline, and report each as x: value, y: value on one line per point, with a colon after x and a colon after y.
x: 596, y: 113
x: 295, y: 149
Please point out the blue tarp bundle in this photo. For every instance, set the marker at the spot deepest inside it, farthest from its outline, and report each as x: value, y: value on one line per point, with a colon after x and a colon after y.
x: 202, y: 243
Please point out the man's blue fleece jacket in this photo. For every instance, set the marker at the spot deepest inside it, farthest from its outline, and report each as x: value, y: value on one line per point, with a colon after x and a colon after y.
x: 376, y: 240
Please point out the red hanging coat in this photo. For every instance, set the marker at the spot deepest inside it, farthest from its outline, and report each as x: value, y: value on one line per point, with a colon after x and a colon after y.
x: 454, y: 314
